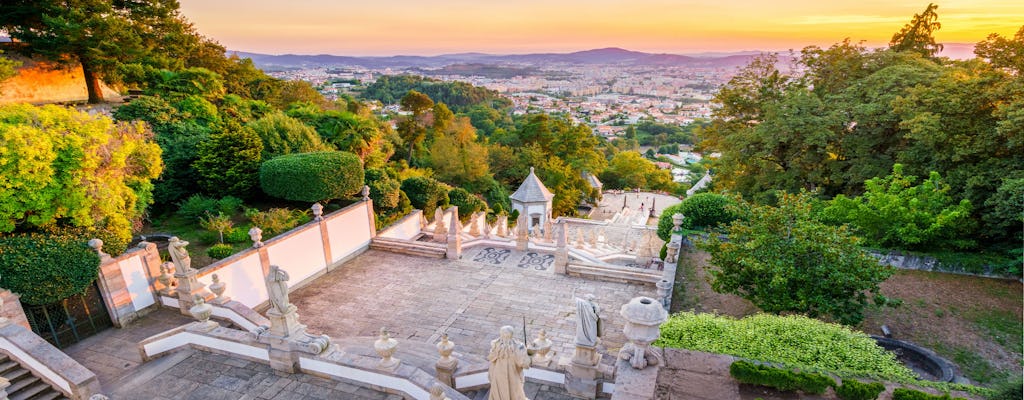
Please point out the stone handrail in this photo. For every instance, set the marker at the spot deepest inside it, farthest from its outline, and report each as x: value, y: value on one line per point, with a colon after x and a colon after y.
x: 232, y: 311
x: 56, y: 368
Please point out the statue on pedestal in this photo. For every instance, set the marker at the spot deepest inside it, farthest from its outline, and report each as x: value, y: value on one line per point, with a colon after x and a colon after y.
x: 588, y: 323
x: 277, y: 289
x: 508, y: 360
x: 179, y: 255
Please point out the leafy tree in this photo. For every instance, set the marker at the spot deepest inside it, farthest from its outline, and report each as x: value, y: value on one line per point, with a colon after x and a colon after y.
x: 229, y: 162
x: 8, y: 67
x: 783, y: 260
x: 895, y: 213
x: 61, y: 167
x: 917, y: 36
x: 456, y: 157
x: 186, y: 82
x: 1003, y: 52
x: 1007, y: 205
x: 629, y: 169
x: 413, y: 129
x: 312, y: 177
x: 217, y: 223
x: 282, y: 134
x: 361, y: 134
x: 466, y: 202
x: 385, y: 191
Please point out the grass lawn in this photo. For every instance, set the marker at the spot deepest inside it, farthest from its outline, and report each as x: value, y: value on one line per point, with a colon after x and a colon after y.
x: 974, y: 322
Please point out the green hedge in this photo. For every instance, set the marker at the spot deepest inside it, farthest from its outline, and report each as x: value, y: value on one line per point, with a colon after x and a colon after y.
x: 853, y: 389
x: 795, y: 341
x: 780, y: 379
x: 220, y: 250
x: 312, y: 177
x: 425, y: 194
x: 910, y: 394
x: 45, y: 268
x: 466, y: 202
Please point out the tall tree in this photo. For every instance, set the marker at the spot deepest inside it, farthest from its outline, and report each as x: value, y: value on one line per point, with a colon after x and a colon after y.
x: 1003, y: 52
x: 413, y: 129
x: 917, y: 36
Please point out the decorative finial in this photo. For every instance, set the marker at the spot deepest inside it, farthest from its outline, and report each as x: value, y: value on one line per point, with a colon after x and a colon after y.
x: 318, y: 212
x: 531, y: 170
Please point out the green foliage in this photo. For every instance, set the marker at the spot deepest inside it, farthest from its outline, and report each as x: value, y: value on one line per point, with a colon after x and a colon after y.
x: 917, y: 36
x: 229, y: 162
x: 894, y: 213
x: 61, y: 167
x: 220, y: 250
x: 778, y: 378
x: 312, y: 177
x: 196, y: 206
x: 457, y: 95
x: 219, y: 223
x: 665, y: 223
x: 911, y: 394
x: 853, y: 389
x: 229, y: 205
x: 794, y: 341
x: 360, y: 134
x: 466, y: 202
x: 237, y: 235
x: 1012, y: 389
x: 45, y: 268
x: 425, y: 194
x: 8, y: 67
x: 783, y: 260
x: 276, y: 221
x: 650, y: 133
x: 706, y: 210
x: 629, y: 170
x: 385, y: 191
x: 282, y: 134
x: 1006, y: 218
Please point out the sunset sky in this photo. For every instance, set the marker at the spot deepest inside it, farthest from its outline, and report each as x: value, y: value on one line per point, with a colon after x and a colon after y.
x: 421, y: 27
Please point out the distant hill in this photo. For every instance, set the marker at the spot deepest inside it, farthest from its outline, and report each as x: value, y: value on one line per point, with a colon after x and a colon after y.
x: 611, y: 55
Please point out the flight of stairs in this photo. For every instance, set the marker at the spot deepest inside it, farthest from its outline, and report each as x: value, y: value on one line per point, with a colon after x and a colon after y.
x: 25, y: 385
x: 422, y: 249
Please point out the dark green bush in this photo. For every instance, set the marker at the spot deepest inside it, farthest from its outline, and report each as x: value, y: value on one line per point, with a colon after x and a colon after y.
x: 466, y: 202
x: 780, y: 379
x: 219, y: 251
x: 278, y: 220
x: 665, y: 221
x: 853, y: 389
x: 229, y: 205
x: 384, y: 190
x: 312, y: 177
x: 704, y: 210
x: 911, y: 394
x: 425, y: 194
x: 45, y: 268
x: 197, y: 206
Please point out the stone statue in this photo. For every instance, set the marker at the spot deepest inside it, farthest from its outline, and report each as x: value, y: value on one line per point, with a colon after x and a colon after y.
x: 277, y: 288
x: 588, y: 323
x: 256, y: 234
x: 179, y: 255
x: 508, y: 359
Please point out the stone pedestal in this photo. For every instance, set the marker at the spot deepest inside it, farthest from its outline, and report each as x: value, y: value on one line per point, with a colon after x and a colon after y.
x: 562, y: 251
x: 285, y: 324
x: 454, y: 239
x: 188, y: 288
x: 582, y: 372
x: 447, y: 364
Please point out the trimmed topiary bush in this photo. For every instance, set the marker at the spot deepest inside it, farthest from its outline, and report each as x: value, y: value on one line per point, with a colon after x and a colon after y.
x: 793, y: 340
x: 466, y: 202
x: 665, y: 221
x: 911, y: 394
x: 220, y: 250
x: 425, y: 194
x: 312, y: 177
x: 46, y: 268
x: 853, y: 389
x: 780, y: 379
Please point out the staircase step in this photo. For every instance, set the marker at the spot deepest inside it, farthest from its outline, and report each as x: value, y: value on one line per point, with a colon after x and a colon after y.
x: 51, y: 395
x: 8, y: 366
x: 15, y: 372
x: 30, y: 391
x: 22, y: 383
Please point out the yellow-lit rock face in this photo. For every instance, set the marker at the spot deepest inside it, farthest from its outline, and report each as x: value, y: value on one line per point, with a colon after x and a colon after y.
x: 41, y: 82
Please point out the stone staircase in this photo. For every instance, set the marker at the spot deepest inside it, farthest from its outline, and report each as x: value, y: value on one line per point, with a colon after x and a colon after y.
x: 422, y: 249
x: 24, y: 384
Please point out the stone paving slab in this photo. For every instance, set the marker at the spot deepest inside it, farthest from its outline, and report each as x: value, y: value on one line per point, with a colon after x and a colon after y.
x: 418, y: 299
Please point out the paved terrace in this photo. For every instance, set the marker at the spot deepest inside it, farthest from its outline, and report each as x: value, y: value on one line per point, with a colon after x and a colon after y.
x: 418, y: 299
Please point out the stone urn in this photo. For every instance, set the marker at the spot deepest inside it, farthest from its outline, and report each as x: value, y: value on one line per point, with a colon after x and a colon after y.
x: 165, y: 277
x: 218, y: 288
x: 256, y: 235
x: 664, y: 288
x: 385, y: 347
x: 202, y: 312
x: 445, y: 348
x: 541, y: 349
x: 643, y: 316
x: 318, y: 212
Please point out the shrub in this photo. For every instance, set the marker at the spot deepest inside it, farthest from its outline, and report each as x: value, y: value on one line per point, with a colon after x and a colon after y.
x: 229, y: 205
x: 277, y: 220
x: 910, y: 394
x: 795, y: 341
x: 780, y: 379
x: 197, y: 206
x: 237, y: 235
x: 312, y: 177
x: 425, y: 194
x: 704, y: 210
x: 1012, y: 389
x: 220, y: 250
x: 219, y: 223
x: 853, y: 389
x: 384, y: 190
x: 46, y: 268
x: 466, y: 202
x: 282, y: 134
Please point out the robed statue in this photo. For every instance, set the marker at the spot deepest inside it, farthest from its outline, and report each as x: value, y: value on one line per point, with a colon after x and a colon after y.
x: 277, y: 289
x: 508, y: 359
x: 588, y: 323
x: 179, y: 255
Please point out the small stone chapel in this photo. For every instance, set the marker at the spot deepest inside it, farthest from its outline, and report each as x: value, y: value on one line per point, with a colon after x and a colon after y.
x: 533, y: 200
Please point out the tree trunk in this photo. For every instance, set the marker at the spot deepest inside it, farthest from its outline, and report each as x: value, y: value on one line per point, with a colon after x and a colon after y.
x: 92, y: 84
